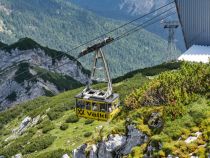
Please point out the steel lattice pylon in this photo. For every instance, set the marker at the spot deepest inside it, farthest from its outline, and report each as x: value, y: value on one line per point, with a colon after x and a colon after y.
x: 171, y: 26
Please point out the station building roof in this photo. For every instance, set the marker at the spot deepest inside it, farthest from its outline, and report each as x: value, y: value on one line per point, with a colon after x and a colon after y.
x: 194, y: 16
x: 196, y: 53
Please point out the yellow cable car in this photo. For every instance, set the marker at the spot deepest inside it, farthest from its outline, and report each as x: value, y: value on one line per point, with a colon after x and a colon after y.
x: 98, y: 104
x: 93, y: 108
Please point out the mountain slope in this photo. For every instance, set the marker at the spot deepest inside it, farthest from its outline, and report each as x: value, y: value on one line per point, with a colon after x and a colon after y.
x: 62, y: 25
x: 46, y: 133
x: 22, y: 61
x: 2, y: 45
x: 121, y: 8
x: 131, y: 9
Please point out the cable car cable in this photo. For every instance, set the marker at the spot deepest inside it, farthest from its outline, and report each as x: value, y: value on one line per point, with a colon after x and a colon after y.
x: 118, y: 38
x: 113, y: 30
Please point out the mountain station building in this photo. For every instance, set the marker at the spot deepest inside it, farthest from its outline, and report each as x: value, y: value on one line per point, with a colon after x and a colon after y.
x: 194, y: 17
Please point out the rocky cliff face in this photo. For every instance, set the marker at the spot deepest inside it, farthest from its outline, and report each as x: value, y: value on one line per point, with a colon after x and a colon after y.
x: 115, y: 147
x: 18, y: 65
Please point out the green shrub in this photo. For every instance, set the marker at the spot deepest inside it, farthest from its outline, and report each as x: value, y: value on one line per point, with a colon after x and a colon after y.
x: 64, y: 126
x: 174, y: 111
x: 198, y: 116
x: 118, y: 130
x: 87, y: 134
x: 174, y: 133
x: 12, y: 113
x: 191, y: 147
x: 168, y: 148
x: 43, y: 124
x: 54, y: 154
x: 87, y: 122
x: 208, y: 146
x: 38, y: 144
x: 48, y: 128
x: 57, y: 111
x: 172, y: 88
x: 72, y: 119
x: 136, y: 152
x: 32, y: 130
x: 15, y: 147
x: 145, y: 129
x: 12, y: 149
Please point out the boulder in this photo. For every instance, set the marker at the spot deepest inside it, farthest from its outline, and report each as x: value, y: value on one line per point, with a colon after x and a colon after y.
x: 151, y: 148
x: 193, y: 138
x: 80, y: 151
x: 65, y: 156
x: 103, y: 152
x: 24, y: 124
x: 17, y: 156
x: 35, y: 120
x: 115, y: 142
x: 93, y: 152
x: 155, y: 120
x: 116, y: 145
x: 134, y: 138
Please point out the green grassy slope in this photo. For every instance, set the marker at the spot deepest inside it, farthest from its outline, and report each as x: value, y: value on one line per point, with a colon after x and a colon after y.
x: 60, y: 25
x: 51, y: 142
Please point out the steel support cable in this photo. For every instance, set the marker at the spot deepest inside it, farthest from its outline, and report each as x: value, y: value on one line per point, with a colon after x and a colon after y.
x: 107, y: 33
x: 137, y: 28
x: 142, y: 26
x: 118, y: 38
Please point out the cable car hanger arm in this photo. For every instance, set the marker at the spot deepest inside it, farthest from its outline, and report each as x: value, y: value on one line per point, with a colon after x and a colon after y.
x: 96, y: 46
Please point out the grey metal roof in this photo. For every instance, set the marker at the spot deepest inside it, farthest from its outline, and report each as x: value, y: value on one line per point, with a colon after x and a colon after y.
x: 113, y: 97
x: 194, y: 16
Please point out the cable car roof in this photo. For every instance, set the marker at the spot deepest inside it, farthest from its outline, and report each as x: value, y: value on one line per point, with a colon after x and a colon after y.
x: 110, y: 99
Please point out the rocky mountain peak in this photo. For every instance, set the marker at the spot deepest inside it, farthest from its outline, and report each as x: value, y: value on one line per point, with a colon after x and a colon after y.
x: 136, y: 7
x: 23, y: 44
x: 29, y: 70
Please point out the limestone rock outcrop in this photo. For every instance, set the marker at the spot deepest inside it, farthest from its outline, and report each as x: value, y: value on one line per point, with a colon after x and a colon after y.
x: 115, y: 146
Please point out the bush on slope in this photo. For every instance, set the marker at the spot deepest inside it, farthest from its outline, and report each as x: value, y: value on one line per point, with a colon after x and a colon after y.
x: 174, y: 88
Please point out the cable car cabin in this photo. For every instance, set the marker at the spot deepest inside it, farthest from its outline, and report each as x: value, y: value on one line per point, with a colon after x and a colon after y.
x: 98, y: 104
x: 95, y: 108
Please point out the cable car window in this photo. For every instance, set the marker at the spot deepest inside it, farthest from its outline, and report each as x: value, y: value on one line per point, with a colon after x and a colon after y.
x: 95, y: 107
x: 80, y: 104
x: 88, y: 105
x: 103, y: 107
x: 109, y: 107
